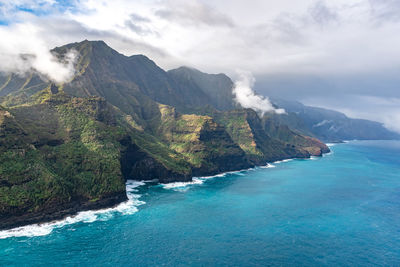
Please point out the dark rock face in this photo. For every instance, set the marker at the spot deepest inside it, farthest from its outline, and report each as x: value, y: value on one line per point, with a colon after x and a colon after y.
x: 149, y: 169
x: 230, y: 156
x: 138, y: 165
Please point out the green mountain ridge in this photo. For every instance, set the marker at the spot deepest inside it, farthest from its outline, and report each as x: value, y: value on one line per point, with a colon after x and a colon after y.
x: 72, y: 146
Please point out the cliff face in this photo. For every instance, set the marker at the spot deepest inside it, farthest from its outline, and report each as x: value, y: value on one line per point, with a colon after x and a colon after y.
x: 203, y: 143
x: 260, y: 144
x: 283, y: 133
x: 57, y: 157
x: 72, y: 146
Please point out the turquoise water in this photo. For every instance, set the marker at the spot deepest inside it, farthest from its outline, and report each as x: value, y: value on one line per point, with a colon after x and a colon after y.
x: 342, y: 209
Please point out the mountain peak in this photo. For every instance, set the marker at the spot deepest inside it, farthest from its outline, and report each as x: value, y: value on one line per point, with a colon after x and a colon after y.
x: 98, y: 45
x: 187, y: 69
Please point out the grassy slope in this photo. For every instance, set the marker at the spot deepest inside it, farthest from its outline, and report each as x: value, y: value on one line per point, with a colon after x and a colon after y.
x: 59, y: 152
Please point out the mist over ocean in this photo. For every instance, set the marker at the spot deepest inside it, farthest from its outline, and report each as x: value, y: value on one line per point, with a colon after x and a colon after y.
x: 341, y: 209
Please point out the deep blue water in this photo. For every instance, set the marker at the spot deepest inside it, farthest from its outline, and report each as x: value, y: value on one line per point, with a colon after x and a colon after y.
x: 342, y: 209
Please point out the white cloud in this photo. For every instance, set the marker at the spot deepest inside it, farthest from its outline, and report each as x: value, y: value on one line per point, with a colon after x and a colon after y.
x: 193, y: 13
x: 247, y: 98
x: 310, y: 36
x: 336, y: 39
x: 24, y: 51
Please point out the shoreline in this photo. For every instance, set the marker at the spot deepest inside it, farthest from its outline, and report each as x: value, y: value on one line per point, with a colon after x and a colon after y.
x: 74, y: 209
x: 181, y: 186
x: 69, y: 209
x: 129, y: 206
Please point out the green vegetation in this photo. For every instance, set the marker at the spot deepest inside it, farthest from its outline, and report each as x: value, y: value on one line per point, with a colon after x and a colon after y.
x: 67, y: 155
x: 74, y: 144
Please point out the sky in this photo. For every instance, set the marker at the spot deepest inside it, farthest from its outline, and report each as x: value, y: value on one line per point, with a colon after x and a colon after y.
x: 339, y: 54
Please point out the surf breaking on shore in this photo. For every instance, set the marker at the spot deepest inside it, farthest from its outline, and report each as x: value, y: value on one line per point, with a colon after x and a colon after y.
x: 126, y: 208
x: 184, y: 186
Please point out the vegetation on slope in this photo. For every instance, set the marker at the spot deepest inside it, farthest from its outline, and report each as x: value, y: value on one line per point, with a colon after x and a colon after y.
x: 71, y: 146
x: 59, y: 154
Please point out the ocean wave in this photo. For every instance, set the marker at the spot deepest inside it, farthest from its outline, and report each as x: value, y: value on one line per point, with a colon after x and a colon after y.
x: 184, y: 186
x: 282, y: 161
x: 267, y: 166
x: 128, y: 207
x: 330, y: 144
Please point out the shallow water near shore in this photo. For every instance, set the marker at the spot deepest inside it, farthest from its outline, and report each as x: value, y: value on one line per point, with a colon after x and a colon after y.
x: 341, y: 209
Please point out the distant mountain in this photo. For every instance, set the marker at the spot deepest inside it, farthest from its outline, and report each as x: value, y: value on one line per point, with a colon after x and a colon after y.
x: 71, y: 146
x: 329, y: 125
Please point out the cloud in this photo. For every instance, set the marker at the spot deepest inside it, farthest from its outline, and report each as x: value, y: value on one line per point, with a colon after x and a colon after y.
x: 385, y: 10
x: 334, y: 48
x: 25, y: 52
x: 138, y: 23
x: 193, y: 12
x: 247, y: 98
x: 265, y: 37
x: 322, y: 14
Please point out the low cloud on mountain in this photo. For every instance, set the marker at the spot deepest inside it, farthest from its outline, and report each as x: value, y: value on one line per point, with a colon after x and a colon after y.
x: 24, y: 52
x: 248, y: 98
x: 329, y: 44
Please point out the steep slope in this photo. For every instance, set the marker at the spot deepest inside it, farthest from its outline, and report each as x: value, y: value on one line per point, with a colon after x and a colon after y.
x: 255, y: 138
x: 330, y: 126
x: 218, y: 87
x: 17, y: 89
x: 58, y: 157
x: 138, y: 80
x: 203, y: 142
x: 285, y: 134
x: 125, y: 80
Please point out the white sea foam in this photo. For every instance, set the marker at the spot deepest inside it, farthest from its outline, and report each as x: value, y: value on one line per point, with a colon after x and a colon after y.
x: 282, y: 161
x: 180, y: 185
x: 127, y: 207
x: 267, y: 166
x: 184, y: 186
x: 330, y: 144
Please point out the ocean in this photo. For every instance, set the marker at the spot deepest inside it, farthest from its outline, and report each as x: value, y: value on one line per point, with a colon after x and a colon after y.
x: 341, y: 209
